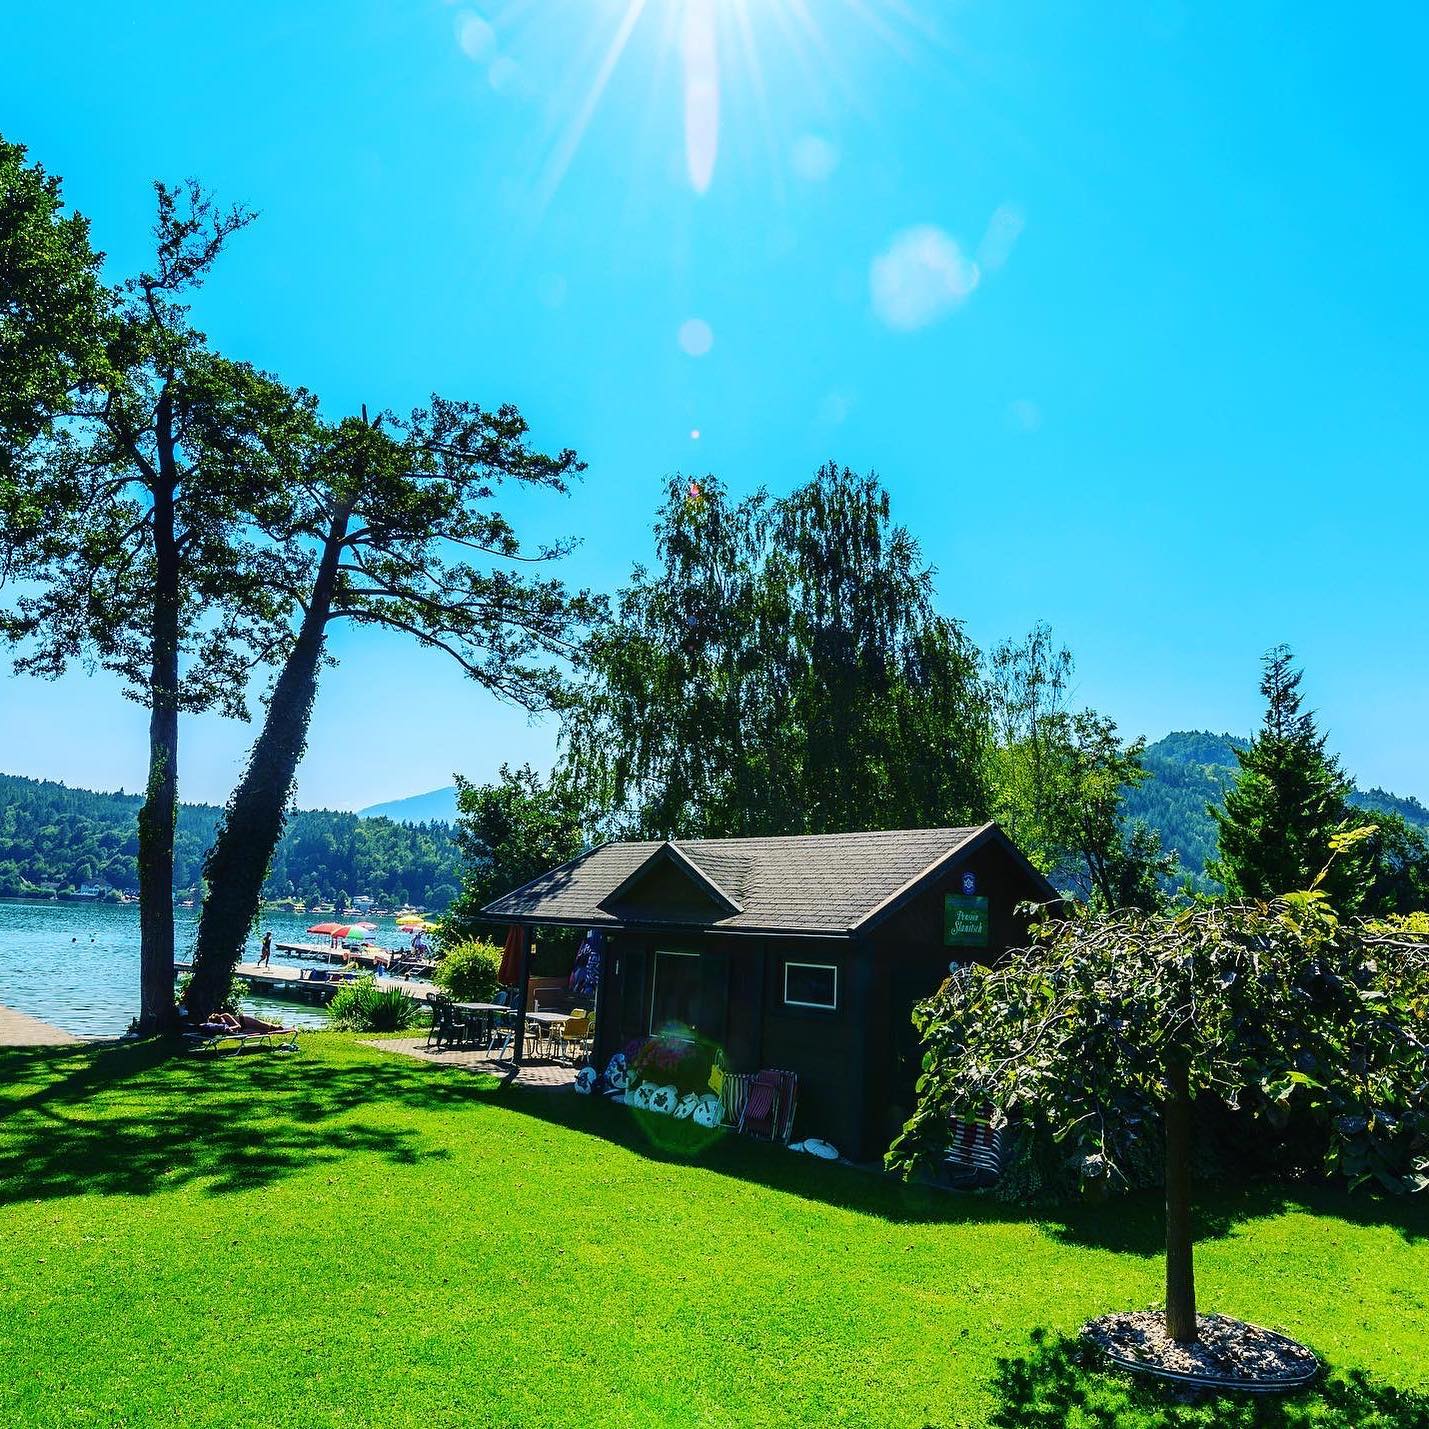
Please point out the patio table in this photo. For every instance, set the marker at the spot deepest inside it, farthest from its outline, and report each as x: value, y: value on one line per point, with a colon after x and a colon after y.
x: 548, y: 1020
x: 489, y: 1008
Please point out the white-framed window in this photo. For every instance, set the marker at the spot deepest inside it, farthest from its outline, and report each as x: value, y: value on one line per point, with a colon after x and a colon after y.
x: 811, y: 985
x: 674, y: 990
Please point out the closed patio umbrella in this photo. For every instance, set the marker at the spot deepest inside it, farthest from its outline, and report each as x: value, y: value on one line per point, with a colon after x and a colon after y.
x: 510, y: 972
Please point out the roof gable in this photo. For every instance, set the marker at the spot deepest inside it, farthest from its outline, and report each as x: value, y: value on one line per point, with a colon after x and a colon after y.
x: 668, y: 883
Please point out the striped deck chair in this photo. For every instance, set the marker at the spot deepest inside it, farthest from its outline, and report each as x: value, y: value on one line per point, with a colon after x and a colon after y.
x: 769, y: 1108
x: 734, y: 1092
x: 974, y: 1154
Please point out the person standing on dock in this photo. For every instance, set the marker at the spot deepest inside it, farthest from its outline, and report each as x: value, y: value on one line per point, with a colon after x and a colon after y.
x: 265, y: 953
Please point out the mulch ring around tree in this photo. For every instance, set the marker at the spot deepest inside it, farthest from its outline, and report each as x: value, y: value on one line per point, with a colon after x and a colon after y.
x: 1228, y: 1355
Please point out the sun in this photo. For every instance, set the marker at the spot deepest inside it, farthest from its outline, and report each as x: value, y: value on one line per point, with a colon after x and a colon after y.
x: 696, y: 34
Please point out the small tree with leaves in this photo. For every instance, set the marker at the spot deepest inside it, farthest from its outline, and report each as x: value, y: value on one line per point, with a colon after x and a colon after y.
x: 1059, y: 780
x: 1111, y: 1025
x: 508, y: 832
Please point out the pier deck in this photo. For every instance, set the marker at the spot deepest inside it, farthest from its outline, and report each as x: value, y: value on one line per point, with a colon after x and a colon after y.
x: 290, y: 983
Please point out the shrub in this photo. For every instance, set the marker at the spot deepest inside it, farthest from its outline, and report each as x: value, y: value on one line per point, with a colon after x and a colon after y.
x: 362, y: 1006
x: 469, y: 970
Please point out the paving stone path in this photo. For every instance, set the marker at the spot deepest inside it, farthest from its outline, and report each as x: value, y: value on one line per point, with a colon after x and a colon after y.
x: 19, y: 1029
x: 534, y: 1073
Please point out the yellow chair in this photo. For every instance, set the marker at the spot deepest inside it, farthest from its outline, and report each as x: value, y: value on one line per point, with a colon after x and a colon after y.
x: 575, y: 1029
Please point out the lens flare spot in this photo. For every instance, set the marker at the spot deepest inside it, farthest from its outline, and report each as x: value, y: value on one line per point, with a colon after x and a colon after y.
x: 696, y: 337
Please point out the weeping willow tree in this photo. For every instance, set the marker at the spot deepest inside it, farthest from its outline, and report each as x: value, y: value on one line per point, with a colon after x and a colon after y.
x: 1110, y: 1026
x: 781, y: 670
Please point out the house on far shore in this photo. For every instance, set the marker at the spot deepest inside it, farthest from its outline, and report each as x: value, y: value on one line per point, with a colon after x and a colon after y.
x: 91, y: 890
x: 803, y: 952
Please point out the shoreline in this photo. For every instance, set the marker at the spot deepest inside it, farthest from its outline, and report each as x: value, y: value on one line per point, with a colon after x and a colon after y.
x: 19, y: 1029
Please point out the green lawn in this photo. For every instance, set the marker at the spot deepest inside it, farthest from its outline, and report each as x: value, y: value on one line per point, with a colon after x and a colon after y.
x: 353, y: 1238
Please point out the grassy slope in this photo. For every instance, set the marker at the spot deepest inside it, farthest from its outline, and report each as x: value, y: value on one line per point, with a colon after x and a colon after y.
x: 353, y: 1238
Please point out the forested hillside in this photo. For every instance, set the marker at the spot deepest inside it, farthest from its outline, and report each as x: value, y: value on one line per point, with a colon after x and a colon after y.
x: 1190, y: 769
x: 54, y: 838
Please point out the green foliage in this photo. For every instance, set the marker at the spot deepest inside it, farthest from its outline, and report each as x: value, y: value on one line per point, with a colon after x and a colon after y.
x: 1279, y: 1010
x: 468, y: 971
x: 508, y: 833
x: 238, y: 989
x: 49, y: 319
x: 1289, y: 800
x: 781, y: 671
x: 1060, y: 779
x: 52, y: 835
x: 362, y: 1006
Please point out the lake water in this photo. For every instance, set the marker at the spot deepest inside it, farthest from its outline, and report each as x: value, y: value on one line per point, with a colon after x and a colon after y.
x: 76, y: 965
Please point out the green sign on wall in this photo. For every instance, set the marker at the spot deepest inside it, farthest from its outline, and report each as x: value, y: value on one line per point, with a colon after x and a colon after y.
x: 964, y: 922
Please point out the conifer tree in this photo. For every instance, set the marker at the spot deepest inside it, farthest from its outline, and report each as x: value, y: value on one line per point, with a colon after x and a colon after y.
x: 1288, y: 801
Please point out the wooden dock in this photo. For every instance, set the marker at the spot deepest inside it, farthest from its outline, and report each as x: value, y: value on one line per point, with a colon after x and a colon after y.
x: 323, y: 953
x: 294, y: 985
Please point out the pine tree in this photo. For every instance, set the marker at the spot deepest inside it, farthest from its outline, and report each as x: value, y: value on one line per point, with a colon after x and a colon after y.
x: 1289, y: 798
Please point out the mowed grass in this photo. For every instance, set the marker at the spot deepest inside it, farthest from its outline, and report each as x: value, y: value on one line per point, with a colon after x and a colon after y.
x: 350, y: 1237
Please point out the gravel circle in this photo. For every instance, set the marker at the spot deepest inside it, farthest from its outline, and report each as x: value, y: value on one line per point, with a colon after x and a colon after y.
x: 1229, y: 1354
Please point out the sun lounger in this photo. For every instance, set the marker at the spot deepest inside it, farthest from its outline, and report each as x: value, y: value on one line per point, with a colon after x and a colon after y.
x: 224, y: 1032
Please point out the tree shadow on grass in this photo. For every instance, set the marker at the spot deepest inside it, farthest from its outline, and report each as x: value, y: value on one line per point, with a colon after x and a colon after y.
x: 1059, y: 1383
x: 1133, y: 1224
x: 136, y: 1117
x: 139, y: 1117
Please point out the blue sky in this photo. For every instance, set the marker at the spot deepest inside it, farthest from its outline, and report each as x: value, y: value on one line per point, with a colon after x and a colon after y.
x: 1126, y: 303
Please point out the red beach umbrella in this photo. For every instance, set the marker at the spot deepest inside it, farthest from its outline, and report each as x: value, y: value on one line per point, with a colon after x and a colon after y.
x: 329, y: 929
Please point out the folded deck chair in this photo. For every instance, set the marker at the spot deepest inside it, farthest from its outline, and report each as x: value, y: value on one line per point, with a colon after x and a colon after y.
x: 733, y: 1094
x: 974, y: 1154
x: 769, y: 1108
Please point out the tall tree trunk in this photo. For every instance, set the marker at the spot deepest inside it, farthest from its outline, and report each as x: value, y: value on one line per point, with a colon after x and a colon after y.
x: 252, y: 824
x: 1180, y: 1269
x: 159, y: 811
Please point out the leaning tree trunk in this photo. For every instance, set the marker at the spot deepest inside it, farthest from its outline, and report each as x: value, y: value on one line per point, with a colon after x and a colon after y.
x: 252, y: 824
x: 1180, y: 1269
x: 159, y: 811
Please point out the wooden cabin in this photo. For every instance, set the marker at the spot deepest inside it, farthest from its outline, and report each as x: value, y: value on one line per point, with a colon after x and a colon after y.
x: 804, y: 952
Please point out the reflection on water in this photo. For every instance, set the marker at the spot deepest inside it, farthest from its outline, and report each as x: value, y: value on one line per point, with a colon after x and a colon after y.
x: 76, y: 965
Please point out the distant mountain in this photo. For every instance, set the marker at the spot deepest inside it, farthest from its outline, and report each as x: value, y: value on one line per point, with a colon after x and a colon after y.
x: 437, y: 807
x: 1192, y: 768
x: 59, y: 840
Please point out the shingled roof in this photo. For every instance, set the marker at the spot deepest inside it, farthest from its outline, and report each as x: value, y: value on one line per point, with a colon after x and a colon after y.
x: 830, y: 884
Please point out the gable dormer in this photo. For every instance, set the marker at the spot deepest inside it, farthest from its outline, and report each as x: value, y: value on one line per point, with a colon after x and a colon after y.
x: 670, y: 885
